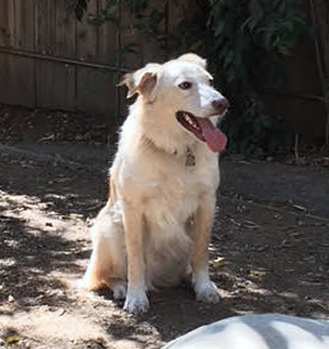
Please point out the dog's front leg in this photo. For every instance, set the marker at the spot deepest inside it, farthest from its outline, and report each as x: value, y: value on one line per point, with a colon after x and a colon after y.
x: 204, y: 288
x: 136, y: 299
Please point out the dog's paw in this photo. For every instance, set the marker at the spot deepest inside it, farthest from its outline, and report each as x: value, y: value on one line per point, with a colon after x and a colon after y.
x: 207, y: 292
x: 119, y: 290
x: 136, y: 303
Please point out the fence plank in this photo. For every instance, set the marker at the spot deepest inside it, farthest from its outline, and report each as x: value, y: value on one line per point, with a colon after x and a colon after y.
x: 108, y: 40
x: 24, y: 39
x: 130, y: 48
x: 4, y: 59
x: 4, y: 25
x: 45, y: 76
x: 65, y: 45
x: 55, y: 81
x: 108, y: 49
x: 11, y: 23
x: 138, y: 48
x: 17, y: 72
x: 94, y: 87
x: 87, y: 36
x: 152, y: 43
x: 24, y: 24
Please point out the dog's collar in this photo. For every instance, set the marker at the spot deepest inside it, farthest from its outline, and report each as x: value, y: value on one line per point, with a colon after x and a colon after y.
x: 190, y: 160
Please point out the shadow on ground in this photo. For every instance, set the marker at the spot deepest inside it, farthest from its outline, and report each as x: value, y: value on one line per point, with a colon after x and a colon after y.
x: 28, y: 257
x: 262, y: 259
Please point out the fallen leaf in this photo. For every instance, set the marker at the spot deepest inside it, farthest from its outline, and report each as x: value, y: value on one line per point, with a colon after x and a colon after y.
x: 11, y: 340
x: 250, y: 225
x: 218, y: 262
x: 257, y: 274
x: 47, y: 138
x: 299, y: 207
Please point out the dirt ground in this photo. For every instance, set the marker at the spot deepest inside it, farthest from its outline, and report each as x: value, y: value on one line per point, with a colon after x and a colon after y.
x: 270, y: 248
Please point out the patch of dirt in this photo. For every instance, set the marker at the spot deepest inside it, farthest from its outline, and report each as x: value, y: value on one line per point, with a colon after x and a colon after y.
x: 43, y: 126
x: 268, y: 254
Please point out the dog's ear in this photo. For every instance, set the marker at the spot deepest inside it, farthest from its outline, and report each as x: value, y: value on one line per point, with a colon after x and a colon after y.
x: 193, y: 58
x: 144, y: 81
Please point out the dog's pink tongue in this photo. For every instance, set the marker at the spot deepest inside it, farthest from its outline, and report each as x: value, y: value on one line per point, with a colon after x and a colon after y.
x: 214, y: 137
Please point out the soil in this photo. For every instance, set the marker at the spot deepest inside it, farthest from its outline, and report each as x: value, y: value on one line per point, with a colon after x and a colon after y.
x: 270, y: 248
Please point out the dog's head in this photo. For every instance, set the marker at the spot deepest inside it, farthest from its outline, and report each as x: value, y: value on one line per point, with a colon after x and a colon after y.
x: 179, y: 94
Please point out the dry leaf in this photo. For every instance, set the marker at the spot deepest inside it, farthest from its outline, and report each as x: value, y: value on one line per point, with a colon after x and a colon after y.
x: 11, y: 340
x: 218, y: 262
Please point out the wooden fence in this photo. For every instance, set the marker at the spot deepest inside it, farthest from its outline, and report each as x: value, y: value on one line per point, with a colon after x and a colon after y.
x: 48, y: 59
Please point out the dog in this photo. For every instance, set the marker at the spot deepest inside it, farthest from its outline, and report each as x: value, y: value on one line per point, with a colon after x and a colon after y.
x: 156, y: 225
x: 257, y: 331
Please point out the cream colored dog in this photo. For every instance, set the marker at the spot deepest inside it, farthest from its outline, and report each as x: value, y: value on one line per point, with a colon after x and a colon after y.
x: 156, y: 225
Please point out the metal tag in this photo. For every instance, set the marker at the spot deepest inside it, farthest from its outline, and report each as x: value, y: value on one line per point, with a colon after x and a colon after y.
x: 190, y: 158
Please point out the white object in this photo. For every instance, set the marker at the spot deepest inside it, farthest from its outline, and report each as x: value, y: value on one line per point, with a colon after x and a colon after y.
x: 268, y: 331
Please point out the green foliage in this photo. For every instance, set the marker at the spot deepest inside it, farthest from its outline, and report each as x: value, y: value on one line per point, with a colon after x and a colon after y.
x: 251, y: 38
x: 250, y: 34
x: 253, y: 131
x: 245, y: 42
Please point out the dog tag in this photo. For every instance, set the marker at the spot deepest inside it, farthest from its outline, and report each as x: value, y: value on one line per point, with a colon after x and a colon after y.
x: 190, y: 158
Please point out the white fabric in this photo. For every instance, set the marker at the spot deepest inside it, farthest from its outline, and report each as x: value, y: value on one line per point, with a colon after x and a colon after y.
x: 268, y: 331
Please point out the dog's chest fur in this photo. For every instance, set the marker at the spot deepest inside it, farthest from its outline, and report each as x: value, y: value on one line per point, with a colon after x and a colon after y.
x: 181, y: 189
x: 169, y: 187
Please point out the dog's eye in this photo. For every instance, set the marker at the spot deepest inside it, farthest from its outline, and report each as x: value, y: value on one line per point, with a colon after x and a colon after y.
x: 211, y: 82
x: 185, y: 85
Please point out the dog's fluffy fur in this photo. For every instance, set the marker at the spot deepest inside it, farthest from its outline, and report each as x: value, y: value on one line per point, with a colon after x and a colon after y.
x: 155, y: 227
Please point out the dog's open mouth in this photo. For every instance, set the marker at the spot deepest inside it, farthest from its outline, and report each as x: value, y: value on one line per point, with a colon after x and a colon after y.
x: 203, y: 129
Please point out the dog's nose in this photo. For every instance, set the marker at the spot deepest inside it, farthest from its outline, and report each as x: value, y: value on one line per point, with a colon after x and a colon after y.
x: 220, y: 104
